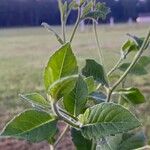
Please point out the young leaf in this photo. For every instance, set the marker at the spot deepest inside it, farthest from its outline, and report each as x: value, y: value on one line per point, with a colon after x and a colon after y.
x: 80, y: 142
x: 51, y: 30
x: 107, y: 119
x: 100, y: 12
x: 75, y: 101
x: 90, y: 84
x: 36, y: 99
x: 61, y: 64
x: 132, y: 95
x: 32, y: 125
x: 82, y: 2
x: 73, y: 5
x: 129, y: 46
x: 62, y: 87
x: 132, y: 141
x: 87, y: 9
x: 63, y: 9
x: 92, y: 68
x: 138, y: 40
x: 98, y: 97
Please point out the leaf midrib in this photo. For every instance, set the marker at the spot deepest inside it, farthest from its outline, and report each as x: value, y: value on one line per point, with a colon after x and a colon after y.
x: 35, y: 127
x: 62, y: 66
x: 94, y: 124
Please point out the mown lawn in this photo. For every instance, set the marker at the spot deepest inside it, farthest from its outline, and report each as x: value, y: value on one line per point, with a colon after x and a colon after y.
x: 25, y: 51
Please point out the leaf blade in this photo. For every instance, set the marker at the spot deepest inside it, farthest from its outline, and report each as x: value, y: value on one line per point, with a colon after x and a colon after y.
x: 31, y: 125
x: 61, y: 64
x: 36, y: 99
x: 92, y: 68
x: 75, y: 101
x: 132, y: 95
x: 106, y: 119
x: 62, y: 87
x: 80, y: 142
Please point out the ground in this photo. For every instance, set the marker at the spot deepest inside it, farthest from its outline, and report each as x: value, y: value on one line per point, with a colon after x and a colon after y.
x: 25, y: 51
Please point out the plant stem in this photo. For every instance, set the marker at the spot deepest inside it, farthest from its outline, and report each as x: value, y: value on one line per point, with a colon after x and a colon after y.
x: 98, y: 44
x: 135, y: 60
x: 76, y: 24
x: 117, y: 64
x: 97, y: 39
x: 63, y: 117
x: 63, y: 30
x: 51, y: 147
x: 66, y: 113
x: 115, y: 67
x: 93, y: 145
x: 144, y: 148
x: 62, y: 135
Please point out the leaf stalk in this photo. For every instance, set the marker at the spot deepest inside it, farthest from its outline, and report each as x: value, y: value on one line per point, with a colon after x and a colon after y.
x: 135, y: 60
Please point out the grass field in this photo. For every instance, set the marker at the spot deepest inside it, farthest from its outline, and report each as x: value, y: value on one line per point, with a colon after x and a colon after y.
x: 25, y: 51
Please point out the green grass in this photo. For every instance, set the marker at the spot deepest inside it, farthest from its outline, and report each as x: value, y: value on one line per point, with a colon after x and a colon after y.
x: 25, y: 51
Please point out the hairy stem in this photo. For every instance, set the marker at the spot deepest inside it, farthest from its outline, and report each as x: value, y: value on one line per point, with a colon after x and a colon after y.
x: 63, y: 30
x: 63, y: 22
x: 97, y: 39
x: 55, y: 108
x: 76, y: 24
x: 51, y: 147
x: 117, y: 64
x: 144, y: 148
x: 135, y: 60
x: 98, y: 44
x: 66, y: 113
x: 115, y: 67
x: 93, y: 145
x: 61, y: 136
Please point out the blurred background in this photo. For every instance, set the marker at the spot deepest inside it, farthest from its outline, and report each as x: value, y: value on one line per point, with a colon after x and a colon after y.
x: 34, y: 12
x: 25, y: 47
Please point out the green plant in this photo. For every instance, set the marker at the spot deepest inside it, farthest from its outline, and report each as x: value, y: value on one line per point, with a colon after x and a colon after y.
x: 96, y: 109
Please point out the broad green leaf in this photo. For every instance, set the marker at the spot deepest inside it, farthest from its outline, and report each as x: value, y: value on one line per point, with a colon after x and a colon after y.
x: 107, y: 119
x: 52, y: 31
x: 132, y: 95
x: 36, y: 99
x: 98, y: 97
x: 109, y: 143
x: 100, y: 12
x: 136, y: 70
x: 92, y: 68
x: 32, y: 125
x: 132, y: 141
x: 75, y: 101
x: 62, y: 87
x: 61, y: 64
x: 80, y: 142
x: 90, y: 84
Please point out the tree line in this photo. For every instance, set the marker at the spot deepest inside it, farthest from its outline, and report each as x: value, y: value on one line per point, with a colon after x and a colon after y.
x: 34, y: 12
